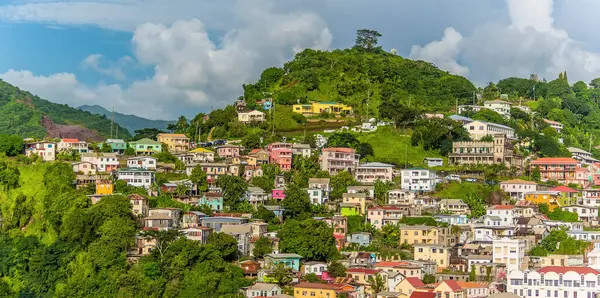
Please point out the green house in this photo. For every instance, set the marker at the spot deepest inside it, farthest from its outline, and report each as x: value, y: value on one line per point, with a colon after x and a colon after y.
x: 146, y: 147
x: 213, y: 199
x: 349, y: 209
x: 117, y: 145
x: 291, y: 261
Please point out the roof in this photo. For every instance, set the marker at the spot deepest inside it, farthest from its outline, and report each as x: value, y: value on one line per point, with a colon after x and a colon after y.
x: 254, y: 151
x: 460, y: 118
x: 577, y: 150
x: 120, y: 141
x: 376, y: 165
x: 415, y: 282
x: 390, y: 264
x: 502, y: 207
x: 563, y: 270
x: 554, y: 160
x: 284, y: 256
x: 177, y: 135
x: 497, y: 101
x: 146, y: 141
x: 564, y: 189
x: 471, y: 285
x: 135, y: 196
x: 236, y: 229
x: 201, y: 150
x: 308, y: 285
x: 339, y: 149
x: 494, y: 124
x: 518, y: 181
x: 318, y: 180
x: 260, y: 286
x: 453, y: 285
x: 70, y: 140
x: 423, y: 295
x: 363, y: 270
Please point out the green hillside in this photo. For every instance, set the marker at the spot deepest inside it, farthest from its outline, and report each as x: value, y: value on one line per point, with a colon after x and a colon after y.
x: 27, y: 115
x: 130, y: 122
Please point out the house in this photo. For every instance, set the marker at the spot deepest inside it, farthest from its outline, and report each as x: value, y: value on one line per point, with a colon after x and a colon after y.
x: 218, y: 222
x: 558, y: 169
x: 438, y: 253
x: 336, y: 160
x: 228, y: 151
x: 556, y: 125
x: 175, y: 142
x: 454, y: 206
x: 358, y: 200
x: 45, y: 150
x: 449, y: 288
x: 380, y: 216
x: 558, y: 281
x: 405, y: 268
x: 241, y: 233
x: 136, y: 177
x: 104, y: 186
x: 506, y: 213
x: 498, y: 151
x: 362, y: 259
x: 260, y: 289
x: 256, y: 196
x: 261, y: 156
x: 281, y: 155
x: 278, y: 194
x: 146, y: 146
x: 212, y: 170
x: 200, y: 155
x: 318, y: 268
x: 240, y: 105
x: 199, y: 234
x: 418, y: 179
x: 139, y: 205
x: 85, y: 168
x: 408, y: 286
x: 359, y: 238
x: 303, y: 150
x: 568, y: 195
x: 252, y: 171
x: 251, y: 117
x: 320, y: 183
x: 550, y: 198
x: 452, y: 219
x: 419, y: 234
x: 479, y: 129
x: 516, y: 188
x: 499, y: 106
x: 510, y: 252
x: 142, y: 162
x: 317, y: 108
x: 162, y: 219
x: 368, y: 190
x: 363, y: 275
x: 583, y: 156
x: 319, y: 290
x: 72, y: 145
x: 277, y: 210
x: 214, y: 200
x: 117, y: 145
x: 105, y: 162
x: 433, y: 162
x: 192, y: 219
x: 584, y: 213
x: 291, y: 261
x: 590, y: 197
x: 373, y: 171
x: 250, y: 267
x: 401, y: 197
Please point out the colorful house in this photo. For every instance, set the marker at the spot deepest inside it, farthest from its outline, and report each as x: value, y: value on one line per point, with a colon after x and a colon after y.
x: 261, y: 156
x: 202, y: 155
x: 317, y: 108
x: 214, y: 200
x: 176, y: 142
x: 146, y: 146
x: 117, y: 145
x: 550, y: 198
x: 568, y: 196
x: 359, y: 199
x: 560, y: 169
x: 281, y: 155
x: 289, y: 260
x: 278, y: 194
x: 349, y: 209
x: 319, y: 290
x: 104, y: 187
x: 407, y: 286
x: 228, y: 151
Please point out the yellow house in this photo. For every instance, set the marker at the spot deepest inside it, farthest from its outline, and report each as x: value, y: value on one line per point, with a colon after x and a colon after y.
x: 359, y: 199
x: 176, y: 142
x: 250, y: 160
x: 432, y: 252
x: 407, y: 269
x: 407, y: 286
x: 104, y: 187
x: 551, y: 198
x: 450, y: 288
x: 318, y: 290
x: 419, y: 235
x: 316, y: 108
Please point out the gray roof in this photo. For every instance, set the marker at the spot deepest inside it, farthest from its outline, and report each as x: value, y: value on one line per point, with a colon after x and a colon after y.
x: 255, y: 190
x: 236, y: 229
x: 376, y: 165
x: 318, y: 180
x: 460, y: 118
x: 283, y: 256
x: 259, y: 286
x: 494, y: 217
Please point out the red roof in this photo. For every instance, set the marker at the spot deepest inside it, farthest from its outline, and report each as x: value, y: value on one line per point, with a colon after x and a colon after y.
x: 362, y: 270
x: 70, y: 140
x: 453, y: 285
x: 415, y: 282
x: 339, y: 236
x: 423, y: 295
x: 503, y: 207
x: 255, y: 151
x: 554, y: 160
x: 564, y: 189
x: 390, y: 264
x: 563, y: 270
x: 389, y: 207
x: 339, y: 149
x: 308, y: 285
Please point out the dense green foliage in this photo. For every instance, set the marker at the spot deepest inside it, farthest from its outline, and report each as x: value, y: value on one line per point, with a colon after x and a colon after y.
x: 559, y: 242
x: 558, y: 214
x: 311, y: 239
x: 476, y: 195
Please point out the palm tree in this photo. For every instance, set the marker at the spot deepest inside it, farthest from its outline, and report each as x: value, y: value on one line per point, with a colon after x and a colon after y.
x: 376, y: 284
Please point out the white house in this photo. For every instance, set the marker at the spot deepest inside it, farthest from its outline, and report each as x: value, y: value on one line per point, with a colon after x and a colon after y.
x: 373, y: 171
x: 555, y: 281
x: 554, y: 124
x: 506, y: 213
x: 417, y: 179
x: 479, y: 129
x: 136, y: 177
x: 590, y: 197
x: 256, y: 196
x: 318, y: 268
x: 45, y: 150
x: 582, y: 155
x: 303, y: 150
x: 142, y: 162
x: 508, y: 251
x: 260, y: 289
x: 105, y: 162
x: 516, y: 188
x: 584, y: 213
x: 320, y: 183
x: 499, y: 106
x: 73, y: 145
x: 471, y: 108
x: 251, y: 117
x: 86, y: 168
x: 316, y: 195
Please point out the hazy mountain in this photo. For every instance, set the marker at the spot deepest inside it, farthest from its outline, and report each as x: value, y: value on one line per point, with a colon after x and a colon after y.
x: 130, y: 122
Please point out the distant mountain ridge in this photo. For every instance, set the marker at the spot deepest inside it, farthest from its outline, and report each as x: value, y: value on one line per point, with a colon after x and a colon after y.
x: 130, y: 122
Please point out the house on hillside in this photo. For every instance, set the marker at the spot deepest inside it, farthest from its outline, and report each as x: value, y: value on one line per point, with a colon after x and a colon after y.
x: 74, y: 145
x: 146, y: 146
x: 142, y: 162
x: 251, y: 117
x: 44, y: 149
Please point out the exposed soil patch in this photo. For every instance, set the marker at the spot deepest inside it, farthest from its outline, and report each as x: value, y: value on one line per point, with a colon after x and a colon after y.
x: 70, y: 131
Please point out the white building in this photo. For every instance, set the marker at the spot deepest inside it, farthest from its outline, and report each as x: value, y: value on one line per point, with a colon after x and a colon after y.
x: 506, y: 213
x: 320, y: 183
x: 479, y: 129
x: 45, y: 150
x: 373, y: 171
x: 142, y: 162
x: 556, y: 125
x: 73, y: 145
x: 555, y: 281
x: 303, y: 150
x: 417, y: 179
x: 136, y: 177
x: 584, y: 213
x: 260, y: 289
x: 105, y: 162
x: 590, y: 197
x: 317, y: 196
x: 434, y: 161
x: 256, y: 196
x: 516, y: 188
x: 471, y: 108
x: 401, y: 197
x: 582, y: 155
x: 318, y: 268
x: 508, y: 251
x: 251, y: 117
x: 499, y: 106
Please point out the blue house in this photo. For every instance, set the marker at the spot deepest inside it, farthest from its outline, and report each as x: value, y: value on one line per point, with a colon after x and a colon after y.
x: 277, y: 210
x: 360, y: 238
x: 290, y: 260
x: 452, y: 219
x: 214, y: 200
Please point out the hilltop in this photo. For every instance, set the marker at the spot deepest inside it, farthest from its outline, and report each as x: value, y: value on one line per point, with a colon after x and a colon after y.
x: 27, y: 115
x: 130, y: 122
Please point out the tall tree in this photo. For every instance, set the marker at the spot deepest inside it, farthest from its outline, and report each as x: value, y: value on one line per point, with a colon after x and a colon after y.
x: 366, y: 39
x: 199, y: 177
x: 11, y: 145
x: 311, y: 239
x: 297, y: 202
x: 233, y: 187
x: 262, y: 246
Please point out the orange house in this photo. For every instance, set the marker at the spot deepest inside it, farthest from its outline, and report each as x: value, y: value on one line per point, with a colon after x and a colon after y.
x: 559, y: 169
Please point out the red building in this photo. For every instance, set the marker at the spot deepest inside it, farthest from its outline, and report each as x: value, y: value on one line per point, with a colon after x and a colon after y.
x: 281, y: 154
x: 563, y: 170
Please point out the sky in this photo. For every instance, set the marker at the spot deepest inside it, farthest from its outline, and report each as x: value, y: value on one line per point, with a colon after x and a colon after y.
x: 163, y: 58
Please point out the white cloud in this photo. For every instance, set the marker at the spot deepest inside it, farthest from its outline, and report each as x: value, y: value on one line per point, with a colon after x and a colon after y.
x: 530, y: 43
x: 192, y: 73
x: 442, y: 53
x: 114, y: 70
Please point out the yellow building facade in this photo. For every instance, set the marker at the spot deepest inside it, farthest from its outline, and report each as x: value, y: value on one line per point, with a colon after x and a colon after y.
x: 551, y: 198
x: 432, y: 252
x: 314, y: 290
x: 176, y: 142
x: 419, y: 235
x: 359, y: 199
x: 316, y: 108
x: 104, y: 187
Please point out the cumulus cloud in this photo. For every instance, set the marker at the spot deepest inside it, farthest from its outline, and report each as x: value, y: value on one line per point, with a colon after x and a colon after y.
x: 192, y: 73
x: 530, y: 43
x: 114, y: 70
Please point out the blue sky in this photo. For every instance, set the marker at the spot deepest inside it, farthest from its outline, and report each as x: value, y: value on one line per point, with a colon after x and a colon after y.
x: 163, y: 58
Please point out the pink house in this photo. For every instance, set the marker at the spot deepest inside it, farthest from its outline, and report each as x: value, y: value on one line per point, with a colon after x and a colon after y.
x: 281, y: 154
x: 228, y: 151
x: 278, y: 194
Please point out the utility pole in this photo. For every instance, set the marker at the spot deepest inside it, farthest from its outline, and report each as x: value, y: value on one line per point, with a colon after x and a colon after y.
x: 112, y: 122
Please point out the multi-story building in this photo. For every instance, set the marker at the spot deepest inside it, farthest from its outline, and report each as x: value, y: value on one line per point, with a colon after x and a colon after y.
x: 581, y: 155
x: 202, y: 155
x: 590, y: 197
x: 479, y: 129
x: 136, y: 177
x: 261, y: 156
x: 419, y: 235
x: 73, y: 145
x: 373, y: 171
x: 84, y: 167
x: 142, y: 162
x: 510, y: 252
x: 303, y: 150
x: 358, y: 200
x: 506, y: 213
x: 241, y: 233
x: 199, y: 234
x: 469, y: 108
x: 213, y: 170
x: 554, y: 124
x: 550, y: 198
x: 499, y: 106
x: 454, y: 206
x: 558, y: 169
x: 45, y: 150
x: 251, y: 117
x: 146, y: 146
x: 335, y: 160
x: 317, y: 108
x: 105, y: 162
x: 117, y: 145
x: 228, y: 151
x: 281, y: 155
x: 212, y: 199
x: 322, y: 184
x: 516, y: 188
x: 555, y: 281
x: 499, y: 151
x: 417, y: 179
x: 383, y: 215
x: 320, y: 290
x: 401, y: 197
x: 256, y: 196
x: 139, y: 205
x: 438, y: 253
x: 176, y: 142
x: 584, y: 213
